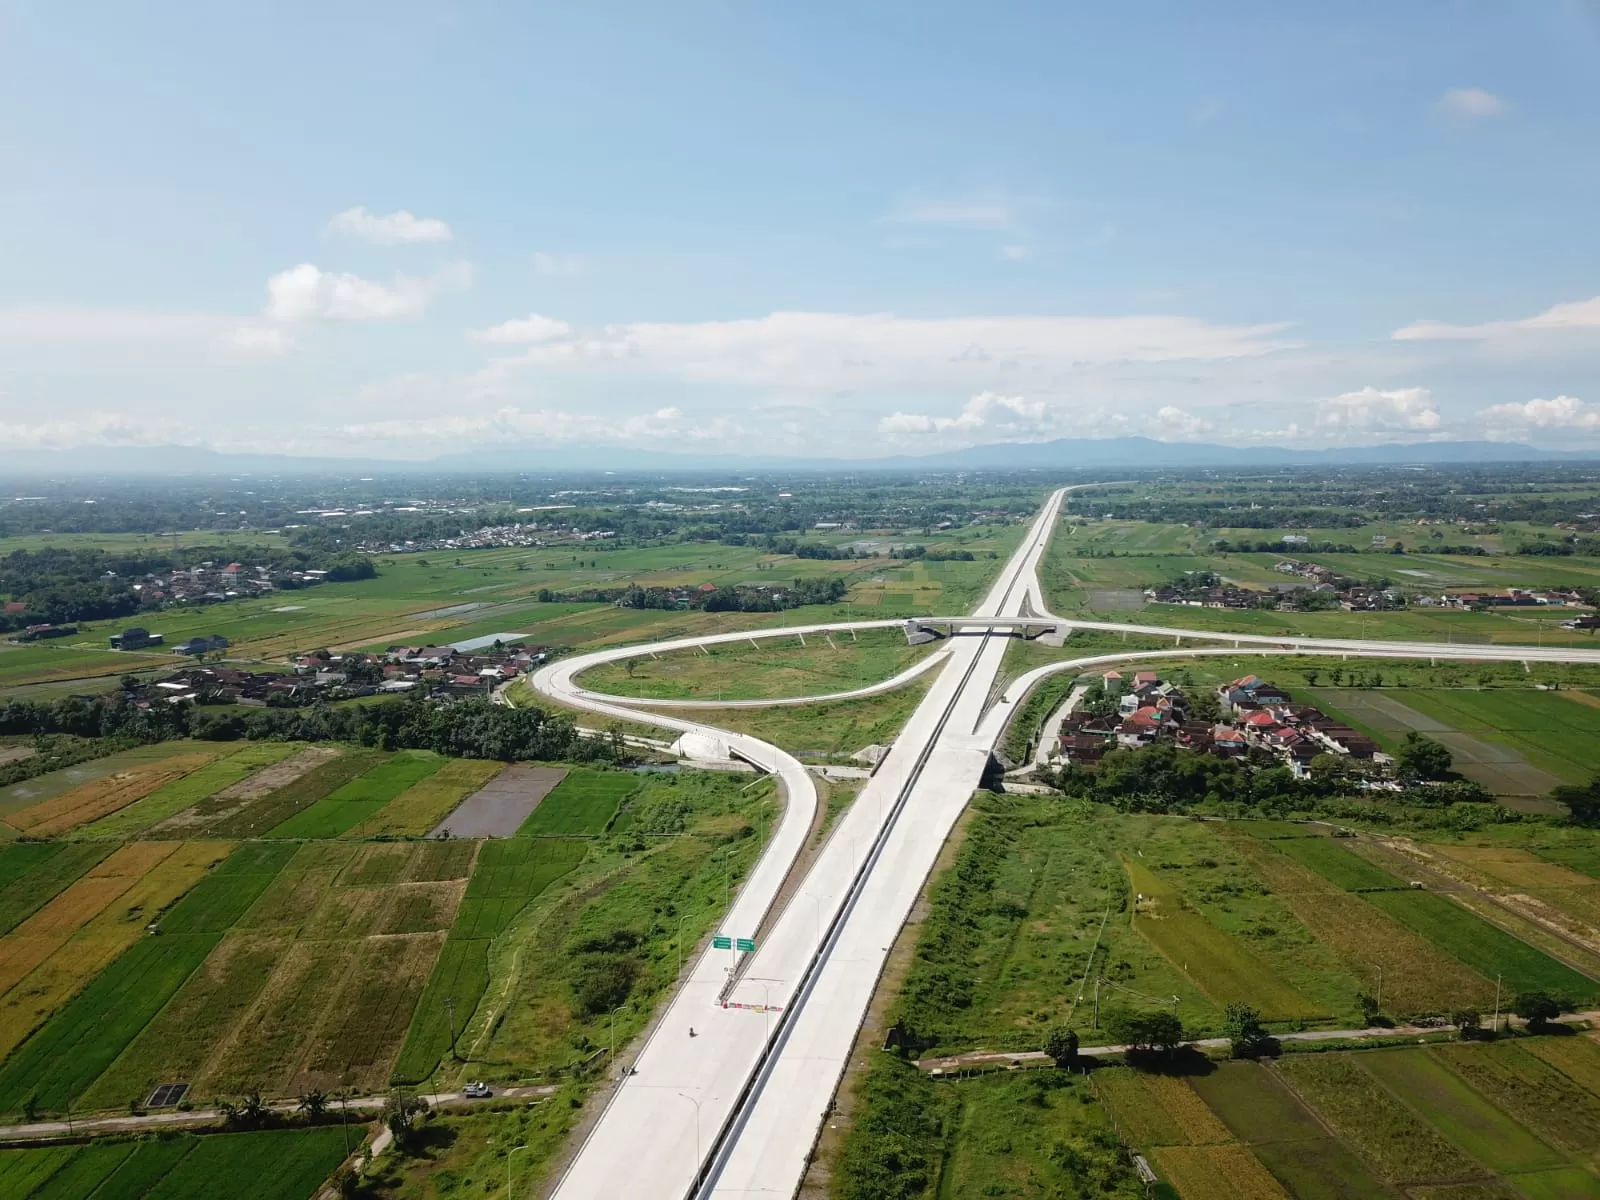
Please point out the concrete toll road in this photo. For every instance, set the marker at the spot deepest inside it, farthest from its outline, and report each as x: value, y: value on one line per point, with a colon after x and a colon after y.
x: 780, y: 1030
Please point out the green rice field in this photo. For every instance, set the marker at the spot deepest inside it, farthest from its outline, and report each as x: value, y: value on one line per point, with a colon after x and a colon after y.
x: 581, y: 804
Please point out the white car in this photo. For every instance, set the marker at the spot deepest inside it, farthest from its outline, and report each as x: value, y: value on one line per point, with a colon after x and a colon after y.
x: 477, y: 1091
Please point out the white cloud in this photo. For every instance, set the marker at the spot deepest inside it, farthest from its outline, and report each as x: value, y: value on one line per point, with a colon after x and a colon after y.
x: 93, y: 429
x: 1015, y: 253
x: 837, y: 351
x: 1575, y: 315
x: 254, y: 339
x: 390, y: 230
x: 1370, y: 412
x: 1001, y: 415
x: 1176, y: 424
x: 544, y: 426
x: 1562, y: 413
x: 1472, y: 103
x: 530, y: 329
x: 993, y: 211
x: 307, y: 292
x: 1370, y: 409
x: 547, y: 262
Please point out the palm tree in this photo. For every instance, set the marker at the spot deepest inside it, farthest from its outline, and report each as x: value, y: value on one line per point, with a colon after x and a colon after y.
x: 313, y: 1104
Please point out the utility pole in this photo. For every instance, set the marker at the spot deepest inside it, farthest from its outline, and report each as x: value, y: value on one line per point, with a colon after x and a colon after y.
x: 1097, y: 1002
x: 1496, y: 1025
x: 1380, y: 990
x: 450, y: 1007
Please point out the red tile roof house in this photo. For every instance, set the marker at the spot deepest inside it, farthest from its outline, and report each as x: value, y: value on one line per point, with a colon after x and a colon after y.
x: 1228, y: 741
x: 1112, y: 681
x: 1146, y: 679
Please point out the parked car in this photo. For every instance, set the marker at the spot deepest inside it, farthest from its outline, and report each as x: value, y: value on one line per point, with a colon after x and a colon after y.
x: 477, y: 1090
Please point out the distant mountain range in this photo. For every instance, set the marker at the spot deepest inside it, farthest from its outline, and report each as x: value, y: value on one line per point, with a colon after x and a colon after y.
x: 1062, y: 454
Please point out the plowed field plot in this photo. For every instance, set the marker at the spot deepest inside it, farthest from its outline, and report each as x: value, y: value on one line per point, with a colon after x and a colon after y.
x: 174, y: 797
x: 423, y: 805
x: 499, y: 808
x: 1492, y: 735
x: 1262, y: 1113
x: 263, y: 813
x: 101, y: 797
x: 315, y: 985
x: 1418, y: 977
x: 360, y: 799
x: 213, y: 810
x: 581, y: 804
x: 1373, y: 1121
x: 277, y: 1165
x: 1448, y: 1103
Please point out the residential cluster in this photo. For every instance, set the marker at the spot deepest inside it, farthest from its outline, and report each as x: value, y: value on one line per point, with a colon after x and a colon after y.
x: 210, y: 583
x: 440, y: 672
x: 491, y: 537
x: 1319, y: 587
x: 1120, y: 712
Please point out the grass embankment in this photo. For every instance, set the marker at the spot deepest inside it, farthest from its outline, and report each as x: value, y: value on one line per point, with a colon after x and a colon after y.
x: 763, y: 669
x: 832, y: 730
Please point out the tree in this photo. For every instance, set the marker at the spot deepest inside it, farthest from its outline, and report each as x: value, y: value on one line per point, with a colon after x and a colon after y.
x: 403, y: 1111
x: 1244, y: 1029
x: 313, y: 1104
x: 1423, y: 758
x: 1538, y: 1009
x: 1061, y: 1044
x: 1468, y: 1023
x: 1583, y: 802
x: 1146, y: 1031
x: 1311, y: 677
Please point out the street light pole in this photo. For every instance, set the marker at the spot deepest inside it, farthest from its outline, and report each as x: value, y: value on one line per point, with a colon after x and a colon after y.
x: 614, y: 1012
x: 509, y: 1155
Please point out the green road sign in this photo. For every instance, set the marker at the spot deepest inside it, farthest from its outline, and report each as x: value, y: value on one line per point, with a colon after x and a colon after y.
x: 745, y: 944
x: 721, y: 943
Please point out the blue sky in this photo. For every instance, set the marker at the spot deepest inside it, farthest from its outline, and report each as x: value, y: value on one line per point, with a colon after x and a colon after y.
x: 406, y: 229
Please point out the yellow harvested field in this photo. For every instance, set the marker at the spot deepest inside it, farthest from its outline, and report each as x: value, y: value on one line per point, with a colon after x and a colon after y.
x: 42, y: 934
x: 1193, y: 1117
x: 1219, y: 1172
x: 1516, y: 868
x: 101, y: 797
x: 1588, y: 699
x: 424, y: 804
x: 106, y: 934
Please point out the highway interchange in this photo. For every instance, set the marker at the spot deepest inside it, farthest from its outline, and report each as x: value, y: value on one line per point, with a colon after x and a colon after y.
x: 734, y: 1110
